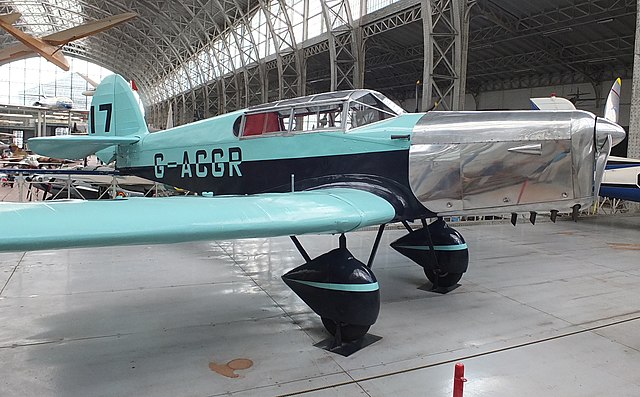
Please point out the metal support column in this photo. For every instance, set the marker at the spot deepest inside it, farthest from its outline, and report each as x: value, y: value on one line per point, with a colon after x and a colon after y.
x: 444, y: 63
x: 288, y: 58
x: 344, y: 49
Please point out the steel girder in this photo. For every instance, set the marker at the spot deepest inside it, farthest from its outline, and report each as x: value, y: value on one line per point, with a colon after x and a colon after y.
x: 540, y: 33
x: 393, y: 21
x: 246, y: 84
x: 204, y: 60
x: 558, y: 57
x: 198, y: 65
x: 506, y: 26
x: 344, y: 44
x: 289, y: 61
x: 165, y: 36
x: 443, y: 41
x: 190, y: 51
x: 243, y: 85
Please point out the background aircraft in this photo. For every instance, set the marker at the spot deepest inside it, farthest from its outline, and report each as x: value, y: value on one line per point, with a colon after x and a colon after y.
x: 50, y: 46
x: 621, y: 179
x: 326, y: 163
x: 54, y: 103
x: 91, y: 82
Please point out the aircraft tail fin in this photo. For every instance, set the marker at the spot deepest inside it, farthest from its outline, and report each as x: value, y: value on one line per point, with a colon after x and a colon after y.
x: 115, y: 119
x: 612, y: 107
x: 115, y: 112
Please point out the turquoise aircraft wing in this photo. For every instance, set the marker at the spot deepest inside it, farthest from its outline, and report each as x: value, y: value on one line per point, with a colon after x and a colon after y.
x: 140, y: 220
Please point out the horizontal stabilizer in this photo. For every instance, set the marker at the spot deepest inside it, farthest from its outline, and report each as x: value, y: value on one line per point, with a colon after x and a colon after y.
x: 164, y: 220
x: 76, y: 147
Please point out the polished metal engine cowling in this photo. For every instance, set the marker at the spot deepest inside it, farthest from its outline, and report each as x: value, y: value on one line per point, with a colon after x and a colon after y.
x: 498, y: 162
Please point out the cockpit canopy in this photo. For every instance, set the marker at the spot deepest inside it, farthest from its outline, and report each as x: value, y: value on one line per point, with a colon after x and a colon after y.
x: 333, y: 111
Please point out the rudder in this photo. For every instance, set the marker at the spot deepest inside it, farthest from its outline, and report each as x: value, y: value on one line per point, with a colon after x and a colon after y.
x: 115, y: 112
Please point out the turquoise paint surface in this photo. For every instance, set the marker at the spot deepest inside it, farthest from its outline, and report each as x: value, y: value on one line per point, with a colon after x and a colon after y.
x: 341, y: 287
x: 76, y: 147
x: 178, y: 219
x: 214, y: 133
x: 117, y: 121
x: 456, y: 247
x: 217, y: 132
x: 126, y: 116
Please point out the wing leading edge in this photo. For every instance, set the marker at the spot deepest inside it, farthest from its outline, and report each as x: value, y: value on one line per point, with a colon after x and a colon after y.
x: 178, y: 219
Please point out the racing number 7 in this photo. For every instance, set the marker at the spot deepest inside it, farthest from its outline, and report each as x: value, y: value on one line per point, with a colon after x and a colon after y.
x: 105, y: 107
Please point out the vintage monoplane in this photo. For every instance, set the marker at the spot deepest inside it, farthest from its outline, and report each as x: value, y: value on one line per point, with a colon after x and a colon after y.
x: 325, y: 163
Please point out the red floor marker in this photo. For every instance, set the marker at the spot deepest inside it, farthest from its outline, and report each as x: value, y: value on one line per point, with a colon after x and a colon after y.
x: 458, y: 380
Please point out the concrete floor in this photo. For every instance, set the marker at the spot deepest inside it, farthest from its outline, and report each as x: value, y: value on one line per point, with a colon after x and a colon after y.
x: 545, y: 310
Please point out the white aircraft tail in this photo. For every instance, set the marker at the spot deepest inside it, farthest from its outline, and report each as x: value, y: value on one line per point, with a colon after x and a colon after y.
x: 605, y: 142
x: 612, y: 107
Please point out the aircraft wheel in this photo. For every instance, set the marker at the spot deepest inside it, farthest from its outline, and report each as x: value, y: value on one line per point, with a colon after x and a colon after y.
x: 348, y: 332
x: 445, y: 280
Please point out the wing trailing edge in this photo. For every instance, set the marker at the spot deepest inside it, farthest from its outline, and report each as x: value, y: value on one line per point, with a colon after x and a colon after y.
x: 136, y: 221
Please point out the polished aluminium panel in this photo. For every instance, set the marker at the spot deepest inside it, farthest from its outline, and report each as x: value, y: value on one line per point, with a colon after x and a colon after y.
x: 496, y: 162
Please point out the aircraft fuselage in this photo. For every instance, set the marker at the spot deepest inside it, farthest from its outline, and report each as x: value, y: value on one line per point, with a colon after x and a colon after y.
x: 424, y: 164
x: 212, y: 159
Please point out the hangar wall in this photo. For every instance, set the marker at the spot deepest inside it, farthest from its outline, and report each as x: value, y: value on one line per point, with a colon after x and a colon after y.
x: 389, y: 47
x: 584, y: 96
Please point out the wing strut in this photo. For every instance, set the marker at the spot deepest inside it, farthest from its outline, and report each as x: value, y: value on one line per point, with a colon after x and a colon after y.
x: 301, y: 249
x: 376, y: 243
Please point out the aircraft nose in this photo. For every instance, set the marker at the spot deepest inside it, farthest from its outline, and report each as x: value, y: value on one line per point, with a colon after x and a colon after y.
x: 605, y: 128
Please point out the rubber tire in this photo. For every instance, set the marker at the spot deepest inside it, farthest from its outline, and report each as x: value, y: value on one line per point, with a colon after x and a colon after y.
x: 444, y: 280
x: 348, y: 332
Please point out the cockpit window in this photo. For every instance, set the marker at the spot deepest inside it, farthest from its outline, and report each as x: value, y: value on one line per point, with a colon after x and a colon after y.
x: 334, y: 111
x: 317, y: 118
x: 263, y: 123
x: 298, y: 119
x: 366, y: 110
